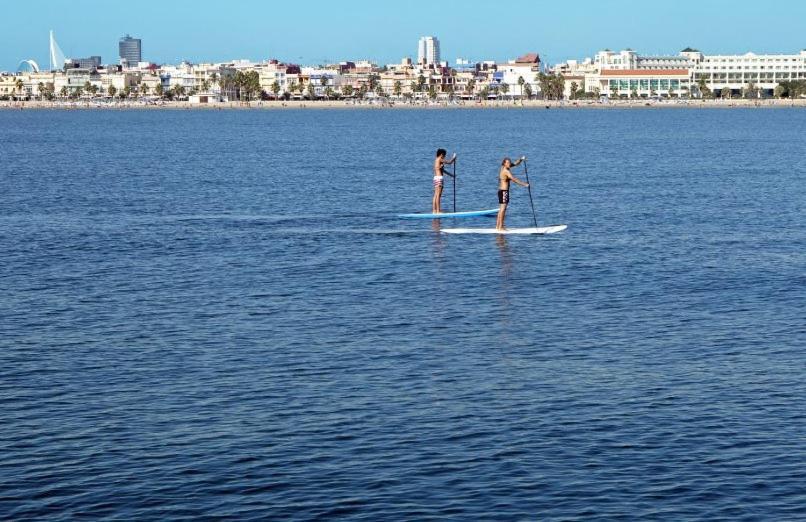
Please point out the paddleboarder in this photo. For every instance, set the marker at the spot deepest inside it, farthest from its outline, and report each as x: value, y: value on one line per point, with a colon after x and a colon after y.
x: 439, y: 176
x: 504, y: 178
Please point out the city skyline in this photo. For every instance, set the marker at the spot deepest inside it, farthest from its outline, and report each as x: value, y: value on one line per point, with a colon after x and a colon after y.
x: 385, y: 34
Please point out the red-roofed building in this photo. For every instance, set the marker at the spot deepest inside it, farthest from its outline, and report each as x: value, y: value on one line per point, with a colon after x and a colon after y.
x: 530, y: 58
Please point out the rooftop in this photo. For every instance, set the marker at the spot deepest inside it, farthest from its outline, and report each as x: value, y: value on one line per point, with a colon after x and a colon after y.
x: 528, y: 58
x: 645, y: 72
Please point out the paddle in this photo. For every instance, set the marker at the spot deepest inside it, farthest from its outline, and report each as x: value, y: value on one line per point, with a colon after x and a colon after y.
x: 529, y: 187
x: 454, y: 185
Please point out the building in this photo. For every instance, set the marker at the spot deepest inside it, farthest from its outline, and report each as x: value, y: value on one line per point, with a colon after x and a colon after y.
x: 519, y: 73
x: 428, y: 51
x: 742, y: 73
x: 89, y: 63
x: 130, y: 51
x: 644, y: 82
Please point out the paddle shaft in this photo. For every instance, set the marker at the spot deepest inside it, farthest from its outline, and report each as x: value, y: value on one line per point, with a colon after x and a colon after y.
x: 529, y: 187
x: 454, y: 185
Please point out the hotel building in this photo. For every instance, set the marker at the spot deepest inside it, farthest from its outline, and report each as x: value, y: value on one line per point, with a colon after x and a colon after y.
x: 737, y: 72
x: 626, y: 73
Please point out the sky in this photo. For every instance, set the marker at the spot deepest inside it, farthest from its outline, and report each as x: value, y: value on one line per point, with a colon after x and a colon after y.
x: 314, y: 31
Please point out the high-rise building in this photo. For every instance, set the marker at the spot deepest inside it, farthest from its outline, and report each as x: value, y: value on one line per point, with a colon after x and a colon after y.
x: 428, y: 51
x: 130, y: 51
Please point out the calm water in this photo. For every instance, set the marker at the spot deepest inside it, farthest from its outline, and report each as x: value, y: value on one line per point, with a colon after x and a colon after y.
x: 216, y: 314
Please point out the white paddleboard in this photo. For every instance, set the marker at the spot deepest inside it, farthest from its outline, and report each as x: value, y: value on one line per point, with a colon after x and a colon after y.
x: 523, y: 231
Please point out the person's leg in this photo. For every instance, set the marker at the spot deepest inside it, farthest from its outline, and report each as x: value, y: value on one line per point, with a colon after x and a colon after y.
x: 434, y: 200
x: 502, y: 213
x: 438, y: 199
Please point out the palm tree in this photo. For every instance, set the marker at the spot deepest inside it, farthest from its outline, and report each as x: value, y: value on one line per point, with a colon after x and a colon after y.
x: 19, y: 85
x: 144, y: 89
x: 504, y: 89
x: 420, y: 83
x: 485, y: 93
x: 64, y: 91
x: 432, y: 92
x: 415, y: 87
x: 311, y: 91
x: 471, y: 86
x: 704, y: 90
x: 558, y: 85
x: 205, y: 85
x: 574, y: 88
x: 398, y: 88
x: 40, y: 88
x: 88, y: 87
x: 275, y: 88
x: 726, y: 92
x: 528, y: 91
x: 347, y: 90
x: 159, y: 90
x: 112, y: 91
x: 179, y: 91
x: 521, y: 81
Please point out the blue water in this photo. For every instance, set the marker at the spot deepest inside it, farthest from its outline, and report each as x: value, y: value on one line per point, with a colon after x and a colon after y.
x: 215, y: 314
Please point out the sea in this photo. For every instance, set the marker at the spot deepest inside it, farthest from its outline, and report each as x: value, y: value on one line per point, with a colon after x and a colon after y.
x: 217, y: 314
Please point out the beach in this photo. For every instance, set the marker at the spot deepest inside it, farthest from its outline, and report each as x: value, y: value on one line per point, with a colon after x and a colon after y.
x: 377, y: 104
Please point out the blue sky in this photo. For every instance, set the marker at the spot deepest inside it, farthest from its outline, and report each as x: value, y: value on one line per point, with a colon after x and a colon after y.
x: 317, y: 31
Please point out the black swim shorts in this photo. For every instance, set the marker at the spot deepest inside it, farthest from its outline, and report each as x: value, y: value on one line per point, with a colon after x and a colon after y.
x: 503, y: 197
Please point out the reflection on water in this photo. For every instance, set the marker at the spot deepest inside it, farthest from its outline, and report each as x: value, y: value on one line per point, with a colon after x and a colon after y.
x: 439, y: 240
x: 506, y: 256
x: 506, y: 271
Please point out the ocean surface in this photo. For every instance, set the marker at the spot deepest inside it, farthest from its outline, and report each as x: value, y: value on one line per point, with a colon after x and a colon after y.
x: 216, y: 314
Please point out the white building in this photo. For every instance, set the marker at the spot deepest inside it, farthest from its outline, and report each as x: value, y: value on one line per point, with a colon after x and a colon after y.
x: 737, y: 72
x: 625, y: 73
x: 525, y: 67
x: 428, y: 51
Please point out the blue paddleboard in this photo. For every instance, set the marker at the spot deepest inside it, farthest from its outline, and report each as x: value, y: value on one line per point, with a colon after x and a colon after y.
x: 445, y: 215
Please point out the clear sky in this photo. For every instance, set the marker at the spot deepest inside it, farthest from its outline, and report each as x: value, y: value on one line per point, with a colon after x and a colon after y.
x: 315, y: 31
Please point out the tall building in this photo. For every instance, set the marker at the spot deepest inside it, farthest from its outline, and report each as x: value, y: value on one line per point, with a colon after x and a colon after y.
x: 428, y: 51
x: 130, y: 51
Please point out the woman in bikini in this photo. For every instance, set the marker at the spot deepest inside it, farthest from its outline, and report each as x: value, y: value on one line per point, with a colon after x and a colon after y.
x: 504, y: 178
x: 439, y: 173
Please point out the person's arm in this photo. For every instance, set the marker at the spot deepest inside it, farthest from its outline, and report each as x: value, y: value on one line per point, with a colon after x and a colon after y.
x: 516, y: 180
x: 450, y: 161
x: 519, y: 161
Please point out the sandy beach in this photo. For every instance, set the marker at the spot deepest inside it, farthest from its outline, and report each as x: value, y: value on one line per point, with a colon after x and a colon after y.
x: 374, y: 104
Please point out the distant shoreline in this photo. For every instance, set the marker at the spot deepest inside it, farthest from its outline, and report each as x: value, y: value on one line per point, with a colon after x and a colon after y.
x: 340, y: 104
